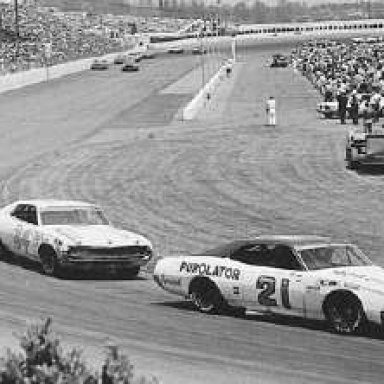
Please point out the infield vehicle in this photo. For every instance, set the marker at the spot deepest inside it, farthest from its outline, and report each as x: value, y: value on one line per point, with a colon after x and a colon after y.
x: 60, y: 234
x: 310, y: 277
x: 279, y: 61
x: 364, y: 148
x: 329, y: 109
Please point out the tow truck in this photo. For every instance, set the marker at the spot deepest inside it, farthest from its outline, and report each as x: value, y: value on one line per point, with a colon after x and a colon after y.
x: 365, y: 148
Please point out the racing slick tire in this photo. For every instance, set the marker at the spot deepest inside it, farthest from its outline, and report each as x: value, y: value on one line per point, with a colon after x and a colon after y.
x: 344, y: 313
x: 48, y: 260
x: 206, y: 297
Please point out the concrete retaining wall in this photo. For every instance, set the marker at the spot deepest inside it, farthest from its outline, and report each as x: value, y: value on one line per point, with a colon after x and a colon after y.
x: 206, y: 93
x: 37, y: 75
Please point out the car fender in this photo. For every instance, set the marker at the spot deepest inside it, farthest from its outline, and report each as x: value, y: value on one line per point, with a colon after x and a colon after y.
x: 370, y: 301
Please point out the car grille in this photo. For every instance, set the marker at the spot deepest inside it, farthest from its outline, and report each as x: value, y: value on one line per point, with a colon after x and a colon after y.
x: 95, y: 254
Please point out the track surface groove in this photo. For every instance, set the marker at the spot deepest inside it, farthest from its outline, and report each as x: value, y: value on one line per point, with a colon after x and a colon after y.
x: 189, y: 186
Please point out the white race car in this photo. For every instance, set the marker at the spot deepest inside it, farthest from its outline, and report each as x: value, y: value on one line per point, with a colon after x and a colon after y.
x: 61, y: 234
x: 305, y: 276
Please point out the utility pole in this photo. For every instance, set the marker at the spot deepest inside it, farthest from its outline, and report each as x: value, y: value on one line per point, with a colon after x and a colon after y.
x: 17, y: 30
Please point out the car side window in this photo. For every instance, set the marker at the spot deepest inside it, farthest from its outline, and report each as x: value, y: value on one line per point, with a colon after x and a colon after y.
x: 251, y: 254
x: 25, y: 212
x: 31, y: 214
x: 18, y: 212
x: 282, y: 256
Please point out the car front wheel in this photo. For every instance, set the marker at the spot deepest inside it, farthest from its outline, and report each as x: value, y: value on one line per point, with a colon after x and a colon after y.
x: 345, y: 314
x: 206, y: 297
x: 49, y: 262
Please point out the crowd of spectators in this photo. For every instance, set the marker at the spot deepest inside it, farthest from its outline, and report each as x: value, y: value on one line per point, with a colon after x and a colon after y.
x: 349, y: 72
x: 48, y: 36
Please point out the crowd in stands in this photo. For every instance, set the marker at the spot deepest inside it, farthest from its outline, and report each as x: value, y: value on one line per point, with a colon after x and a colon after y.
x: 350, y: 72
x: 47, y: 36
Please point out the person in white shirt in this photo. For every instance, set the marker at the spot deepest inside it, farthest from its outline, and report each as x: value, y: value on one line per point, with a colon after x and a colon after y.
x: 271, y: 111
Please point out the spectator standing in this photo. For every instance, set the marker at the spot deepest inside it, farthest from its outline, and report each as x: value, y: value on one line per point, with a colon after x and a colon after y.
x: 271, y: 111
x: 368, y: 114
x: 375, y: 102
x: 354, y: 107
x: 343, y: 102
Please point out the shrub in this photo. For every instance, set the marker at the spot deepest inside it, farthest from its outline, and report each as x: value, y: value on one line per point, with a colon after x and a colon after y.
x: 43, y: 361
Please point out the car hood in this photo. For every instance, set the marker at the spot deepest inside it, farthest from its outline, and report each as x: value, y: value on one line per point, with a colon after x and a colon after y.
x: 98, y: 235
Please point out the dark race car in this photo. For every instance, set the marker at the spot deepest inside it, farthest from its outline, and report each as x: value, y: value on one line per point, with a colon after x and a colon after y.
x: 130, y: 66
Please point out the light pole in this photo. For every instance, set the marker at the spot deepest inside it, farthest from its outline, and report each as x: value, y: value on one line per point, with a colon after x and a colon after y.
x: 17, y: 30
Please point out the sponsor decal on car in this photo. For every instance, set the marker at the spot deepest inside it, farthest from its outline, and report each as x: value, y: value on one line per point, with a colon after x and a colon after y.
x: 209, y: 270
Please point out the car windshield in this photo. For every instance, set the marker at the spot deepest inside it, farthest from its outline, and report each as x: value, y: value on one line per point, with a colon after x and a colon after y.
x: 333, y: 256
x: 73, y: 216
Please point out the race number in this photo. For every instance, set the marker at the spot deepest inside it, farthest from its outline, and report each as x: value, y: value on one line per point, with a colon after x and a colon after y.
x: 267, y: 284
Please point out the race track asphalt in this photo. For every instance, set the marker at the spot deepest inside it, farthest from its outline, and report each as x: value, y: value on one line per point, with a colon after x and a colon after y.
x: 110, y: 137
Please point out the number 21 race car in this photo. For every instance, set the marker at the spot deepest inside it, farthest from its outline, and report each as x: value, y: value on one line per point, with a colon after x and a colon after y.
x: 303, y: 276
x: 70, y: 234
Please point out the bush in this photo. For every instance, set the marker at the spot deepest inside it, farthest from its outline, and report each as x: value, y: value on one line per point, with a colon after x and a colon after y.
x: 43, y: 361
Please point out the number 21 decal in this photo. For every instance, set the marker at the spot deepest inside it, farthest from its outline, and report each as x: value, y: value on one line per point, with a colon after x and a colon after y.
x: 267, y: 284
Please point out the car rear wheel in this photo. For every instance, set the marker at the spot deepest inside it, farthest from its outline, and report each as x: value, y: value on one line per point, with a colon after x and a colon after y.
x: 49, y: 262
x: 345, y: 314
x: 206, y: 297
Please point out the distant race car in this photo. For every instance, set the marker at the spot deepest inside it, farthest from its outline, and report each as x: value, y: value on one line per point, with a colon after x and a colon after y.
x: 303, y: 276
x: 99, y: 65
x: 176, y: 50
x: 130, y: 66
x: 148, y: 54
x: 70, y: 234
x: 119, y: 59
x: 136, y: 57
x: 279, y: 61
x: 199, y: 51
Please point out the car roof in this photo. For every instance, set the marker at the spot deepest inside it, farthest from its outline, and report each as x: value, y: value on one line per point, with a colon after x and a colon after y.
x: 46, y: 203
x: 293, y: 241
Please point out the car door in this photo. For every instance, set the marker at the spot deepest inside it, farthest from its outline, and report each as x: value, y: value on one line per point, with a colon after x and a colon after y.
x: 275, y: 281
x: 22, y: 230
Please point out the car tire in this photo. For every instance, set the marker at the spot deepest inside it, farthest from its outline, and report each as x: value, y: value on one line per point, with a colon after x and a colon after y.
x: 4, y: 253
x: 206, y: 297
x: 352, y: 165
x: 49, y: 263
x: 345, y: 314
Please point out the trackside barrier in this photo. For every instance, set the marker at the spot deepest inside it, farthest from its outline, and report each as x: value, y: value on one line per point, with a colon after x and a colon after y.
x: 21, y: 79
x: 206, y: 92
